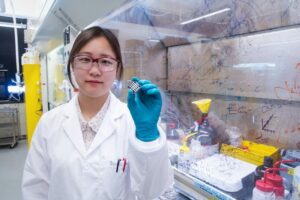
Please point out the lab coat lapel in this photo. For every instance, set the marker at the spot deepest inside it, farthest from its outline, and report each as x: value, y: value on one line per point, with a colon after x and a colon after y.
x: 72, y: 128
x: 107, y: 128
x: 109, y: 125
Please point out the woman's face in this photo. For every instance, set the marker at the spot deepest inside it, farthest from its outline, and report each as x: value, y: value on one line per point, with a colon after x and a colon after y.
x: 94, y: 82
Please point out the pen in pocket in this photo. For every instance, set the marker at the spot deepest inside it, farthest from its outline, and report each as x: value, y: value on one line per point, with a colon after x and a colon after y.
x: 120, y: 162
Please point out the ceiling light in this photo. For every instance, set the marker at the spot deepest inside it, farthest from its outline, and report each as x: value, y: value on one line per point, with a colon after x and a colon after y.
x: 254, y: 65
x: 205, y: 16
x: 154, y: 40
x: 2, y: 6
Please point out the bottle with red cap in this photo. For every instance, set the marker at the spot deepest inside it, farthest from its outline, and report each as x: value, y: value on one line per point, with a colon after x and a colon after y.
x: 263, y: 191
x: 270, y: 187
x: 260, y: 170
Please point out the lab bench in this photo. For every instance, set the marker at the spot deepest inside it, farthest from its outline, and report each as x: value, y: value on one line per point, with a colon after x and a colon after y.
x: 9, y: 127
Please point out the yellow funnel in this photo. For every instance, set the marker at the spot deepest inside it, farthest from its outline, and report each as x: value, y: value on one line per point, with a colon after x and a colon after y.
x: 203, y: 105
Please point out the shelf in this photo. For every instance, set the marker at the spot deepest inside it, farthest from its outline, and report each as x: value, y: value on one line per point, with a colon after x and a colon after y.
x: 9, y: 141
x: 9, y: 126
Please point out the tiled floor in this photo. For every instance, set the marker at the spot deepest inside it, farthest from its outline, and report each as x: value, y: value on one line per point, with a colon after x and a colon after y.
x: 11, y: 169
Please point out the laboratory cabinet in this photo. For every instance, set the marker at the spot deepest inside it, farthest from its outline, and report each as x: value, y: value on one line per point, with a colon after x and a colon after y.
x: 229, y: 75
x: 57, y: 85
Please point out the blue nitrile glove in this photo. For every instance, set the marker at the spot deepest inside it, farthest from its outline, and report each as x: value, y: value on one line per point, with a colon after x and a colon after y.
x: 145, y: 107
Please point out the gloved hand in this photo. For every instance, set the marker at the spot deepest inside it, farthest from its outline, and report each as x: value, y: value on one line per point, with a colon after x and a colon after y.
x: 145, y: 107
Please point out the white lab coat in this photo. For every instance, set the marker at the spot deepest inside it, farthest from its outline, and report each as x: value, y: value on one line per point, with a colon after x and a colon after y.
x: 58, y: 167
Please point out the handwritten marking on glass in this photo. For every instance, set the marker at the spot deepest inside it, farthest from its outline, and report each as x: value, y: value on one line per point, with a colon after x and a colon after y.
x: 291, y: 87
x: 234, y: 108
x: 265, y: 124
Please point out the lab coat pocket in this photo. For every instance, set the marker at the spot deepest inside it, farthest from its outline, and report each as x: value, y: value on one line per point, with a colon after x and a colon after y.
x: 114, y: 175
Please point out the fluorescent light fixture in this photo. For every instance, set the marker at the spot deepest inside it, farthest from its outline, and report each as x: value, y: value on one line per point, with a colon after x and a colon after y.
x: 15, y: 89
x: 205, y: 16
x: 254, y: 65
x: 153, y: 40
x: 11, y: 25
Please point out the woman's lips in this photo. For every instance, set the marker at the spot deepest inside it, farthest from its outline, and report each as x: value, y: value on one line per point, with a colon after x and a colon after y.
x: 93, y: 82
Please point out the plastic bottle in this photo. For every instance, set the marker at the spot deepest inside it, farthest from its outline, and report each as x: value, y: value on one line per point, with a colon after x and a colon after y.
x: 271, y: 185
x: 184, y: 156
x: 171, y: 131
x: 204, y: 143
x: 184, y: 161
x: 263, y: 191
x: 206, y: 134
x: 296, y: 183
x: 235, y: 136
x: 260, y: 170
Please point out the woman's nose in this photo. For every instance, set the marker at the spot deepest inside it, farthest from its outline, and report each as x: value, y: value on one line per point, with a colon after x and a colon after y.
x: 95, y: 70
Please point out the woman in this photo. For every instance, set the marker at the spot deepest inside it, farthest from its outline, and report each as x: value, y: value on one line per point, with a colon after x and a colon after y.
x: 94, y: 147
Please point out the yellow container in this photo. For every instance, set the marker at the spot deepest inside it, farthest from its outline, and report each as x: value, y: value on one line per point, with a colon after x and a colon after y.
x: 251, y: 152
x: 33, y: 105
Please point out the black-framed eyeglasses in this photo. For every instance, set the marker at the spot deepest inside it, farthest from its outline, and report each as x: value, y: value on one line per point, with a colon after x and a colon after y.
x: 105, y: 63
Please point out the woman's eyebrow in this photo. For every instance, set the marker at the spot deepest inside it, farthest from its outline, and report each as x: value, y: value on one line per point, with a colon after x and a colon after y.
x: 100, y: 55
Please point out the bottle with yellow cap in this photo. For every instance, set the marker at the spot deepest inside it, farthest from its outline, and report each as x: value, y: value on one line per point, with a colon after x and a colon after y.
x: 206, y: 134
x: 204, y: 143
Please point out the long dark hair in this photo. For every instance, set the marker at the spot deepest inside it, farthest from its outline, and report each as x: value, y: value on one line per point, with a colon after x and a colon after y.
x: 86, y: 36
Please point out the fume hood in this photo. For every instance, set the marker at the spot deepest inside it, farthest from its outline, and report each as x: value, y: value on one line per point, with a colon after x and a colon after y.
x: 243, y: 55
